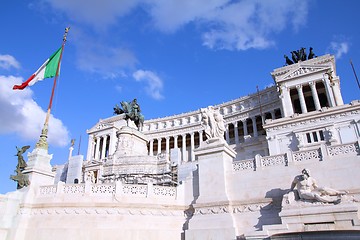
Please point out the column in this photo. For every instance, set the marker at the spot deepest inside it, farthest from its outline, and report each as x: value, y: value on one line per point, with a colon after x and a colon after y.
x: 151, y: 152
x: 236, y: 132
x: 329, y: 93
x: 167, y: 145
x: 315, y: 95
x: 286, y: 105
x: 192, y: 146
x: 253, y: 119
x: 200, y: 137
x: 183, y: 147
x: 175, y: 141
x: 301, y: 98
x: 90, y: 149
x: 103, y: 147
x: 96, y: 155
x: 227, y: 136
x: 158, y: 146
x: 272, y: 112
x: 337, y: 94
x: 113, y: 141
x: 245, y: 127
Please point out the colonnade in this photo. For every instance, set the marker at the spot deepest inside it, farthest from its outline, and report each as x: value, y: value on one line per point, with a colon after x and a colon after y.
x: 236, y: 133
x: 310, y: 96
x: 101, y: 146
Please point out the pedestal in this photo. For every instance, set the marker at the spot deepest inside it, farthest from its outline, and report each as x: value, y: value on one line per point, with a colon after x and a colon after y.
x: 39, y: 169
x: 213, y: 218
x: 131, y: 142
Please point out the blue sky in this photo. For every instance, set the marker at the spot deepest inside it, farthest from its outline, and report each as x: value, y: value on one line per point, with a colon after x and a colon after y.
x: 174, y: 56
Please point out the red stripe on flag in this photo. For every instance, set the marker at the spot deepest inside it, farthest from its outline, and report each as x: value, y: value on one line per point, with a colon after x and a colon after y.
x: 24, y: 84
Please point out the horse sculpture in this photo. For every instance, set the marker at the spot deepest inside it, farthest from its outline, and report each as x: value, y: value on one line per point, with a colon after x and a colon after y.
x: 132, y: 111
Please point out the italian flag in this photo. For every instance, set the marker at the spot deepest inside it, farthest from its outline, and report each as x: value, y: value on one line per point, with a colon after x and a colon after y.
x: 47, y: 70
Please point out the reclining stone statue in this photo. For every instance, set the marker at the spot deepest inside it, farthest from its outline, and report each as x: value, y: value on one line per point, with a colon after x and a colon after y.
x: 308, y: 189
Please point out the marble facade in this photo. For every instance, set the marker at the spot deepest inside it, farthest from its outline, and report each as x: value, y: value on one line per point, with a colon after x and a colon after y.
x: 170, y: 181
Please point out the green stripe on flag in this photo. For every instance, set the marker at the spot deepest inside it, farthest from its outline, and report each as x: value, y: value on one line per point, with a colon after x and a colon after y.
x: 51, y: 66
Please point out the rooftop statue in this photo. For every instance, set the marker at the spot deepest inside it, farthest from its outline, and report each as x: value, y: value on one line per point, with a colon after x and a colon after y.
x: 308, y: 189
x: 299, y: 55
x: 21, y: 179
x: 132, y: 111
x: 213, y: 123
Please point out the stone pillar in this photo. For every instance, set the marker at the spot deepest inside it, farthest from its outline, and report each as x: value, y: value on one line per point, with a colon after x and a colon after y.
x: 286, y: 104
x: 272, y: 112
x: 103, y: 151
x: 97, y: 149
x: 315, y: 95
x: 200, y: 137
x: 329, y: 93
x: 192, y: 146
x: 176, y: 141
x: 227, y: 135
x: 159, y: 145
x: 113, y: 140
x: 236, y: 132
x: 213, y: 218
x: 167, y: 145
x: 90, y: 150
x: 253, y: 119
x: 302, y: 99
x: 245, y: 127
x: 151, y: 146
x: 184, y: 158
x: 337, y: 94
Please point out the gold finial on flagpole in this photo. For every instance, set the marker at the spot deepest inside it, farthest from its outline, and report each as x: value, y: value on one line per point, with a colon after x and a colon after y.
x: 65, y: 34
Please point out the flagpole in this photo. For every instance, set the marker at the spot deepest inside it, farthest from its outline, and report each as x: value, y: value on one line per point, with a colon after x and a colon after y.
x: 42, y: 143
x: 357, y: 80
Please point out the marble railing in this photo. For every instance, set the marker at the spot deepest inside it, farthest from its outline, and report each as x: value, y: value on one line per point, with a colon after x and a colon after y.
x: 321, y: 153
x: 117, y: 188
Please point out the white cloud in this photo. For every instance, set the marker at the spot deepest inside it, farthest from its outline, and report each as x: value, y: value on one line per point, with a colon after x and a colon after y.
x: 8, y: 61
x: 21, y: 115
x: 241, y: 25
x: 339, y: 48
x: 99, y: 14
x: 154, y: 83
x: 224, y: 24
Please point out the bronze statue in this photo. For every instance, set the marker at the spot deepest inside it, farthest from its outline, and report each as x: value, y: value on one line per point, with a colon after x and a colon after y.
x: 311, y: 54
x: 287, y: 60
x: 21, y: 163
x: 132, y: 111
x: 21, y: 179
x: 299, y: 55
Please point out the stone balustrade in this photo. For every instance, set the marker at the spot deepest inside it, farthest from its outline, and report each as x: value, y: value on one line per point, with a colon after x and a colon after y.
x: 321, y: 153
x: 117, y: 188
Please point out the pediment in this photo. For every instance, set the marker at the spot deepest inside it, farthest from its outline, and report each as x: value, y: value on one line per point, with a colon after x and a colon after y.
x: 100, y: 126
x: 304, y: 70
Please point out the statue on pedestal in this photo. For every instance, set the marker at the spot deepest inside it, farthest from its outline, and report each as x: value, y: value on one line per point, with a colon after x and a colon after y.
x: 213, y: 123
x: 132, y: 111
x: 308, y: 189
